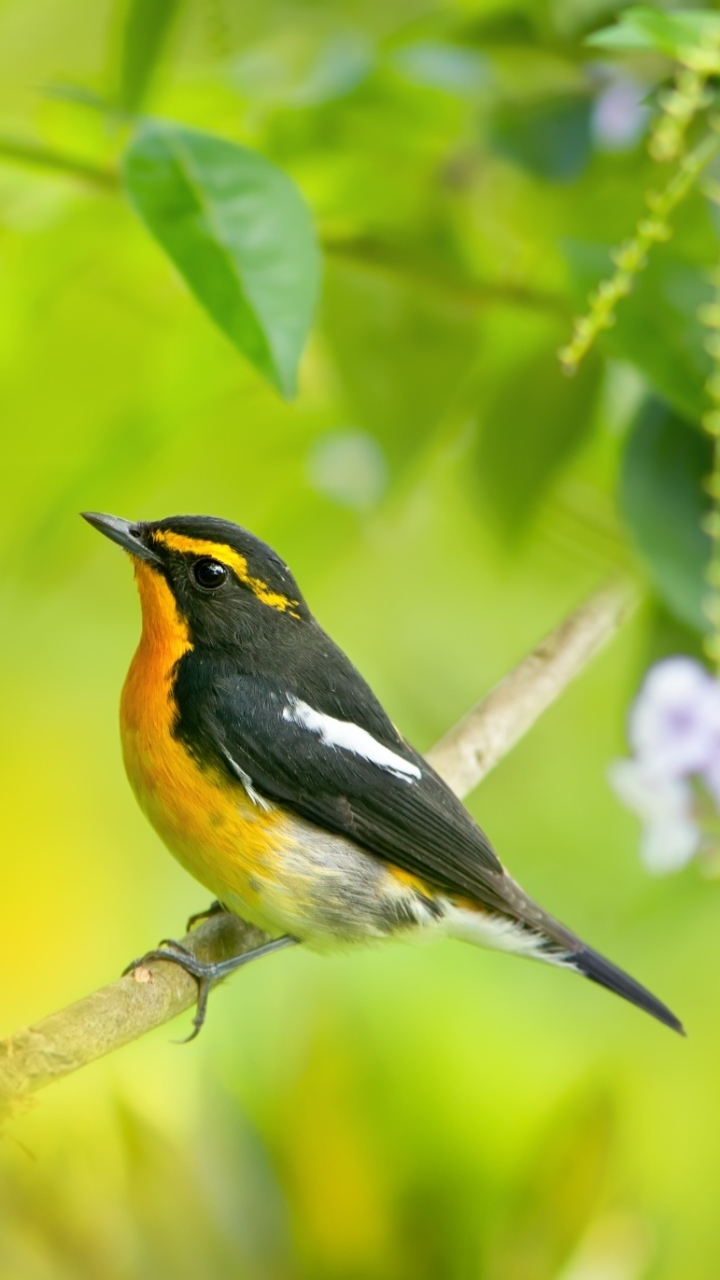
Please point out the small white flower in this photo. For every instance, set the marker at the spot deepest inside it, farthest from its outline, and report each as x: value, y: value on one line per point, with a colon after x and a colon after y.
x: 675, y: 723
x: 650, y: 796
x: 665, y: 805
x: 669, y: 846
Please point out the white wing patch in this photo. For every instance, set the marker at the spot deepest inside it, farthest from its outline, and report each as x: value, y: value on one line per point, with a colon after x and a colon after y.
x: 350, y: 737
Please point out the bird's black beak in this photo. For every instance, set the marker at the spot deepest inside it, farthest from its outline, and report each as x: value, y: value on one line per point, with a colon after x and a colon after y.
x: 123, y: 532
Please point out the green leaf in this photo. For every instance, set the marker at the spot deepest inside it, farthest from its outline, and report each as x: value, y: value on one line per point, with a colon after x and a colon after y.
x: 144, y: 37
x: 400, y: 354
x: 662, y: 501
x: 657, y: 328
x: 240, y: 234
x: 532, y: 426
x: 643, y: 28
x: 551, y: 138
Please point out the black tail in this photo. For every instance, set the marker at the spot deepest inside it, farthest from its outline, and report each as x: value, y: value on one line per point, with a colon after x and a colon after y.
x: 607, y: 975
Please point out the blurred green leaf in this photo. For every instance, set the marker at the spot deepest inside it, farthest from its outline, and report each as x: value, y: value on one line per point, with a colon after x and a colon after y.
x: 145, y: 33
x: 401, y: 354
x: 533, y: 424
x: 667, y: 635
x: 641, y: 27
x: 283, y: 77
x: 662, y: 501
x: 511, y: 26
x: 549, y: 1210
x: 449, y: 67
x: 657, y: 328
x: 240, y: 234
x: 551, y: 138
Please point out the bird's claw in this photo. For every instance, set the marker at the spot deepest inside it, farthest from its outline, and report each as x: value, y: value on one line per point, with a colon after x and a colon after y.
x: 203, y: 973
x: 215, y: 909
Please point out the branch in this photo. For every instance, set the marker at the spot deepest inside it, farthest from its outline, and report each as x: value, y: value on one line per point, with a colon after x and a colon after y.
x: 40, y: 157
x: 372, y: 254
x: 152, y: 995
x: 480, y: 740
x: 463, y: 292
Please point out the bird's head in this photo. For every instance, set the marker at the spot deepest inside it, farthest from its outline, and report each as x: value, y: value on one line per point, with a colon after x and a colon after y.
x: 210, y: 575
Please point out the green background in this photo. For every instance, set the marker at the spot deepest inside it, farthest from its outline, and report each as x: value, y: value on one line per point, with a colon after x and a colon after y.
x: 444, y: 497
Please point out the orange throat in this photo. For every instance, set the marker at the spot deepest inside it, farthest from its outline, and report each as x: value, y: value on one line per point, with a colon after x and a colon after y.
x: 154, y: 759
x: 205, y: 820
x: 147, y: 706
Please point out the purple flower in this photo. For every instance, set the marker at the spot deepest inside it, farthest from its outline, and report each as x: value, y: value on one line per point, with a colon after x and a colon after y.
x: 620, y: 116
x: 675, y: 723
x: 674, y: 731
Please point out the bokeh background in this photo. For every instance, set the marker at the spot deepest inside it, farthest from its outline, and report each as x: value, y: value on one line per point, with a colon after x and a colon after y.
x: 445, y: 497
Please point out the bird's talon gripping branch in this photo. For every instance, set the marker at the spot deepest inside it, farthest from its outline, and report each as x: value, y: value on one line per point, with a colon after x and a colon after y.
x: 205, y: 974
x: 173, y: 945
x: 163, y: 951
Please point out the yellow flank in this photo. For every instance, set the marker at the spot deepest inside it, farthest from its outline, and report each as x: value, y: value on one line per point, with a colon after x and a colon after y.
x: 409, y: 881
x: 233, y: 560
x: 207, y: 821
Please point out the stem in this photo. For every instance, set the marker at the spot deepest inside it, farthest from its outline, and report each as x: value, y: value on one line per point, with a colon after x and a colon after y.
x: 48, y: 158
x: 479, y: 741
x: 388, y: 258
x: 710, y: 316
x: 631, y: 257
x: 376, y: 255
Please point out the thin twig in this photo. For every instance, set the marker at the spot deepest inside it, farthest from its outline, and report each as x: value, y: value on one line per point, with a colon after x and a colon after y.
x: 479, y: 741
x: 462, y: 292
x: 40, y: 157
x: 152, y: 995
x: 371, y: 253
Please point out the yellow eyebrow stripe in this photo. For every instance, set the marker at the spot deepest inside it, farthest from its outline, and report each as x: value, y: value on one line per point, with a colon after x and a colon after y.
x: 234, y: 561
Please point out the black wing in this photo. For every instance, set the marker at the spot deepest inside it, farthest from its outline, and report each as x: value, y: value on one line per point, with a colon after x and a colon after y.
x: 239, y: 720
x: 415, y: 822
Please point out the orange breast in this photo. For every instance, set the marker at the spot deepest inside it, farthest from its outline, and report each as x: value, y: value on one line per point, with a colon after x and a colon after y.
x: 207, y: 821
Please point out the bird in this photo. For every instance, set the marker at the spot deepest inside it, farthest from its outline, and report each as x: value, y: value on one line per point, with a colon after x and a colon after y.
x: 271, y: 771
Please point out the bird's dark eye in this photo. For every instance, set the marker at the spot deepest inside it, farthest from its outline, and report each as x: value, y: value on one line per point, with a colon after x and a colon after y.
x: 209, y: 573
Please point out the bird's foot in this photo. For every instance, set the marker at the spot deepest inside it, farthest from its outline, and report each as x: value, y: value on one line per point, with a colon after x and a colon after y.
x: 215, y: 909
x: 206, y: 974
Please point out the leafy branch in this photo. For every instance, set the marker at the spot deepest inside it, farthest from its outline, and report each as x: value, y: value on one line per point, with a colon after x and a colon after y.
x: 692, y: 40
x: 127, y: 1009
x: 630, y: 258
x: 370, y: 252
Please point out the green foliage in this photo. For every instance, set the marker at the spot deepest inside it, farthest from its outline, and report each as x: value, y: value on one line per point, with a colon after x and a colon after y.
x: 672, y: 33
x: 550, y: 137
x: 658, y: 328
x: 148, y: 24
x: 401, y: 1113
x: 238, y: 232
x: 663, y: 501
x: 551, y: 416
x: 693, y: 40
x: 401, y: 355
